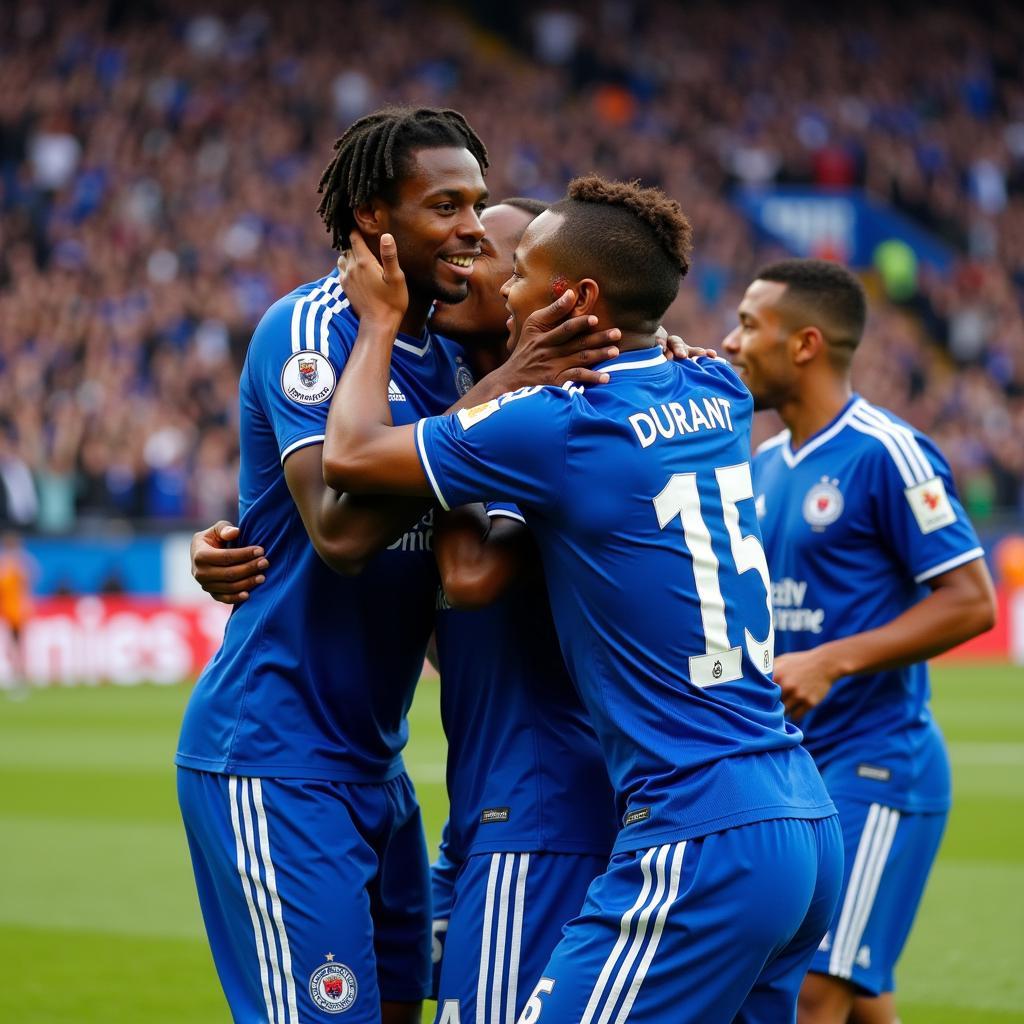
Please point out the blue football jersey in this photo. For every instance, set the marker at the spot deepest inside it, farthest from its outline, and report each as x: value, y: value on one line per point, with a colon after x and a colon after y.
x: 855, y: 523
x: 525, y: 771
x: 640, y: 498
x: 316, y: 671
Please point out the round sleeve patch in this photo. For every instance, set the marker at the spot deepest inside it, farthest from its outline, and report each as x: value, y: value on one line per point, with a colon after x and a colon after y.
x: 308, y: 378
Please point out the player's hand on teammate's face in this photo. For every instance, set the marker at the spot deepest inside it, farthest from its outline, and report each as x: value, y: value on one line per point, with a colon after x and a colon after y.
x: 675, y: 348
x: 805, y: 677
x: 376, y: 288
x: 227, y: 574
x: 554, y: 347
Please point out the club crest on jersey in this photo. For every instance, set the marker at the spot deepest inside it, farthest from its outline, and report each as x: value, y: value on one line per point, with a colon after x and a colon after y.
x: 463, y: 379
x: 332, y: 986
x: 308, y: 378
x: 823, y: 503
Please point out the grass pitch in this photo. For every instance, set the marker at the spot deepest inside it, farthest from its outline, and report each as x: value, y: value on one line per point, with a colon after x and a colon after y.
x: 99, y: 921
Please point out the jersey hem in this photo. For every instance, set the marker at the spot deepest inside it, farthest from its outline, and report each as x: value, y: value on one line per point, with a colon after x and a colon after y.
x: 645, y: 840
x: 535, y: 846
x: 320, y: 773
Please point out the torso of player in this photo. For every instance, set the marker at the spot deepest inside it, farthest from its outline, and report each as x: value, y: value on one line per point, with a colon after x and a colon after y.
x: 316, y: 671
x: 844, y: 544
x: 660, y: 592
x: 525, y: 771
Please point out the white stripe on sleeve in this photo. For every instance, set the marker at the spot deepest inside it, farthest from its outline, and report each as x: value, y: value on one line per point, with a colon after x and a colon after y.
x: 422, y: 447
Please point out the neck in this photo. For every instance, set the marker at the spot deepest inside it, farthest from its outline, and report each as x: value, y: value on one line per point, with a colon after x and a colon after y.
x: 814, y: 405
x: 415, y: 316
x: 633, y: 340
x: 485, y: 353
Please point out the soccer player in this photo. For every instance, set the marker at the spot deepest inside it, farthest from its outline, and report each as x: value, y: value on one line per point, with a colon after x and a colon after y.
x: 304, y: 831
x: 532, y: 817
x: 875, y: 568
x: 727, y: 866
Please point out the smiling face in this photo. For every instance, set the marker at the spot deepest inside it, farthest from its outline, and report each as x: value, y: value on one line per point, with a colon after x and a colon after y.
x: 435, y: 219
x: 757, y: 346
x: 532, y: 285
x: 482, y: 316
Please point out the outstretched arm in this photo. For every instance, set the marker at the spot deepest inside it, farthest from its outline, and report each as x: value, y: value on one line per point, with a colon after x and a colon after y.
x: 960, y: 606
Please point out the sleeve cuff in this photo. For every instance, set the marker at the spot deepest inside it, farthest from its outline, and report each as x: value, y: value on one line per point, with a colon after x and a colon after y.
x: 421, y: 450
x: 301, y: 443
x: 506, y: 513
x: 950, y: 563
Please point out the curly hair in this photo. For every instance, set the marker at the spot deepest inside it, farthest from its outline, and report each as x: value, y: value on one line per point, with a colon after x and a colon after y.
x: 634, y: 241
x: 374, y: 154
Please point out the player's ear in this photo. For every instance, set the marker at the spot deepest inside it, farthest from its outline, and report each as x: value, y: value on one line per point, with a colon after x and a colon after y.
x: 371, y: 219
x: 587, y: 293
x: 807, y: 345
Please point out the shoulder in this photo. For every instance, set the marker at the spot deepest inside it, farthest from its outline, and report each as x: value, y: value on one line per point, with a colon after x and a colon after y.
x: 309, y: 318
x: 540, y: 404
x: 893, y: 443
x: 717, y: 373
x: 776, y: 441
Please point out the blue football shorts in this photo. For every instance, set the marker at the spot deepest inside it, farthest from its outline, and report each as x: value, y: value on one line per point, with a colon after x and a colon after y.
x: 701, y: 931
x: 888, y: 857
x: 497, y: 919
x: 315, y: 895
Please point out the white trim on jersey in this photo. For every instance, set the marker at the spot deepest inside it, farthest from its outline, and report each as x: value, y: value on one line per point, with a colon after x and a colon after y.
x: 328, y: 297
x: 794, y: 459
x: 639, y: 364
x: 950, y: 563
x: 656, y: 906
x: 862, y: 888
x: 909, y: 445
x: 773, y: 442
x: 427, y: 338
x: 269, y: 923
x: 502, y: 933
x: 422, y: 448
x: 505, y: 513
x: 302, y: 443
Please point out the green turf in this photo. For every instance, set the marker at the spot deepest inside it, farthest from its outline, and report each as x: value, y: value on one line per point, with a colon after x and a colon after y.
x: 99, y: 921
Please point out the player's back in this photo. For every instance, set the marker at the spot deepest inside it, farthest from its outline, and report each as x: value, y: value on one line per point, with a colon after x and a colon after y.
x: 525, y: 772
x: 639, y: 495
x: 316, y: 670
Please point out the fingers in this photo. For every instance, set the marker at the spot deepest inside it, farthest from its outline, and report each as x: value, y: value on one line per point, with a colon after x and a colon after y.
x: 236, y: 558
x: 601, y: 344
x: 582, y: 376
x: 554, y: 313
x: 358, y: 246
x: 242, y: 586
x: 225, y: 531
x: 389, y: 256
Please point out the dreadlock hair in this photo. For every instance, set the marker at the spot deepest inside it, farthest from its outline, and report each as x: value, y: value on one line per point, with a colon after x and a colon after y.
x: 824, y: 294
x: 635, y: 242
x: 535, y: 207
x: 374, y: 154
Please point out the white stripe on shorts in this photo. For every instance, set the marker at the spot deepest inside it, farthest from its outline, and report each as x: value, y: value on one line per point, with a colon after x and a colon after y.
x: 655, y: 906
x: 282, y: 1006
x: 502, y: 933
x: 868, y: 865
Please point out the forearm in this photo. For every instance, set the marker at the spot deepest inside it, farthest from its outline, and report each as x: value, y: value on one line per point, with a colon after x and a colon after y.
x: 359, y: 409
x: 364, y: 524
x: 942, y: 620
x: 478, y: 558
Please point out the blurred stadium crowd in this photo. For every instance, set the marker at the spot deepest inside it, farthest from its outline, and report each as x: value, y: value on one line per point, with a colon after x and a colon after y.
x: 158, y: 164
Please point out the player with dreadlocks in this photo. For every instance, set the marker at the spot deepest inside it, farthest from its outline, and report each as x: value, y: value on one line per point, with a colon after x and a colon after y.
x: 638, y: 494
x: 303, y: 827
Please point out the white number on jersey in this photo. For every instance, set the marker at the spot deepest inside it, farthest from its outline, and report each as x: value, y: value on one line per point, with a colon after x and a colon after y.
x: 449, y: 1012
x: 533, y: 1007
x: 721, y: 662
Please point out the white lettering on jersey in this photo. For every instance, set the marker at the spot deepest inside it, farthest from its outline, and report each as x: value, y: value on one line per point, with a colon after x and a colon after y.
x: 931, y: 505
x: 419, y: 538
x: 673, y: 419
x: 788, y: 596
